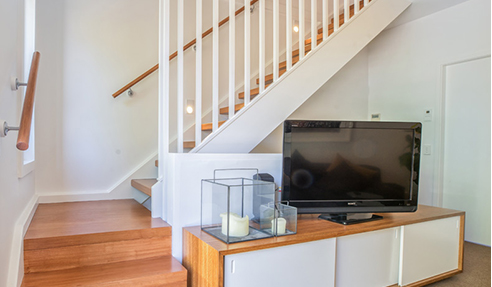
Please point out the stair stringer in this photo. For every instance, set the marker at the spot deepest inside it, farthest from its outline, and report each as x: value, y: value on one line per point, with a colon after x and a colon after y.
x: 257, y: 120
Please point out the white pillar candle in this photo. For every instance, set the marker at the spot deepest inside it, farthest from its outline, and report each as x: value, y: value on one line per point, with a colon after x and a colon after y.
x: 280, y: 224
x: 238, y: 226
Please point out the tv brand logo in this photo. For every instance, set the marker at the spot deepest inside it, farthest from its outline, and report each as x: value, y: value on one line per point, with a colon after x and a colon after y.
x: 352, y: 203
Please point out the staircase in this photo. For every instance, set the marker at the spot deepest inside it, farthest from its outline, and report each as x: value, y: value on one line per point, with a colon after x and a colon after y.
x: 99, y: 243
x: 268, y: 110
x: 347, y: 32
x: 282, y: 70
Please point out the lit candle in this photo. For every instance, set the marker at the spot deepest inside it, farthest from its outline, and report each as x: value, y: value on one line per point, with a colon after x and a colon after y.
x: 280, y: 223
x: 238, y: 226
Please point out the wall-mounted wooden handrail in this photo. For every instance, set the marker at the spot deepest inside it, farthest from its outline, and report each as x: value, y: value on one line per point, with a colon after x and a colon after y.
x: 27, y: 110
x: 175, y: 54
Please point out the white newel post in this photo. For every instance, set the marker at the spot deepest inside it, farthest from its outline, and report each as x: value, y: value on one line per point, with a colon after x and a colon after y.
x: 163, y: 126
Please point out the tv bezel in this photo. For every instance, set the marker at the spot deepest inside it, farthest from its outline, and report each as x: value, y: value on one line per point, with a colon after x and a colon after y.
x: 358, y: 206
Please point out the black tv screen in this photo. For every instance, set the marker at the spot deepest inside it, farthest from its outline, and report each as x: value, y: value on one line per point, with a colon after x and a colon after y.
x: 351, y: 166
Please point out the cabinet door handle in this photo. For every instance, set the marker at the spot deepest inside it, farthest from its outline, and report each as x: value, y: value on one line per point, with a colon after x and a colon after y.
x: 233, y: 266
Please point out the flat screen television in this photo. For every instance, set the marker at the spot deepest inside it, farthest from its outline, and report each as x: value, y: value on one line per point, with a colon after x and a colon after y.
x: 347, y: 170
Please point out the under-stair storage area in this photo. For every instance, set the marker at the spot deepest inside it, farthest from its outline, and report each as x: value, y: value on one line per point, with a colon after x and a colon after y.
x: 99, y: 243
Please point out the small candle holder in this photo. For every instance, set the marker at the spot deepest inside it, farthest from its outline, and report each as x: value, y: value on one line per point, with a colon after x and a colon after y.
x: 228, y: 209
x: 285, y: 220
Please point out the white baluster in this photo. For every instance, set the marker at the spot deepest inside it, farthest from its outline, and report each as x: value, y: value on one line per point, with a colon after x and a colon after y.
x: 180, y: 76
x: 346, y: 10
x: 288, y: 35
x: 198, y: 74
x: 288, y: 29
x: 262, y: 45
x: 356, y: 6
x: 215, y: 66
x: 232, y: 56
x: 365, y: 3
x: 314, y: 24
x: 301, y: 29
x: 247, y: 51
x: 276, y: 39
x: 336, y: 13
x: 326, y: 19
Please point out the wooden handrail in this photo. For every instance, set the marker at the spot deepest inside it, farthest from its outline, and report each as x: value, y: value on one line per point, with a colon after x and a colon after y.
x: 27, y: 110
x: 173, y: 55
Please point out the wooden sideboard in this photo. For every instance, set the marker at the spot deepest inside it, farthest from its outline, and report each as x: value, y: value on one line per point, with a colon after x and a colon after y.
x: 406, y: 249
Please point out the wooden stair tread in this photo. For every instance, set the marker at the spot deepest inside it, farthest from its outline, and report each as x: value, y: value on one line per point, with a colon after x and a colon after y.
x: 208, y: 126
x: 156, y: 271
x: 295, y: 58
x: 237, y: 107
x: 144, y: 185
x: 252, y: 93
x: 55, y: 220
x: 189, y: 144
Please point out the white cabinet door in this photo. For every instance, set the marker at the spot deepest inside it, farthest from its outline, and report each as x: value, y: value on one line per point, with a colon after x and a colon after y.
x: 368, y: 259
x: 310, y: 264
x: 429, y: 249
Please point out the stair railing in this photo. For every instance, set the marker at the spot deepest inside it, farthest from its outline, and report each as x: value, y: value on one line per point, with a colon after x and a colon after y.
x: 192, y: 43
x: 28, y: 107
x: 331, y: 21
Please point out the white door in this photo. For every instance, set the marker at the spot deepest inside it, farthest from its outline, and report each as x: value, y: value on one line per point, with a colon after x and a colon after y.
x: 428, y: 249
x: 373, y: 256
x: 310, y: 264
x: 466, y: 173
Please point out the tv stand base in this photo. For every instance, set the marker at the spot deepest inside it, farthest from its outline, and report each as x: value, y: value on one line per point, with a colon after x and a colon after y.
x: 402, y: 249
x: 350, y: 218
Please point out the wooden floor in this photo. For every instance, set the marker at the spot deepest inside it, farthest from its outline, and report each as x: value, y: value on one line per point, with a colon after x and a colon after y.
x: 99, y: 243
x: 77, y: 218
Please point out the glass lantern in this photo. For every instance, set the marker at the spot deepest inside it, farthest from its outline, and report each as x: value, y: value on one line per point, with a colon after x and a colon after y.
x: 231, y: 209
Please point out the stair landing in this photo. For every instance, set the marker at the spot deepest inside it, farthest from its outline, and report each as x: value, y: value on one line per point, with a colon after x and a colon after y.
x: 99, y: 243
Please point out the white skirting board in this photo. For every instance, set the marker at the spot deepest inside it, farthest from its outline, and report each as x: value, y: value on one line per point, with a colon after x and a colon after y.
x: 16, y: 262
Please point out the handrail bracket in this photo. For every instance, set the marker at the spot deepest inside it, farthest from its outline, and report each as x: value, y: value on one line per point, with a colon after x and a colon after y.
x: 15, y: 84
x: 5, y: 128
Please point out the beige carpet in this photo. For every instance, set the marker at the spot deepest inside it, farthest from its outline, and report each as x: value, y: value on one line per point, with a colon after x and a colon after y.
x: 476, y: 269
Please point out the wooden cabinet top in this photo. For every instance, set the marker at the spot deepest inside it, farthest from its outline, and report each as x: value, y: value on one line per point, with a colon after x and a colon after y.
x: 310, y: 228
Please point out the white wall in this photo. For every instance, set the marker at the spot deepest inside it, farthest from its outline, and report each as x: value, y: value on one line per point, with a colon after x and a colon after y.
x: 343, y: 97
x: 93, y: 48
x: 15, y: 193
x: 405, y: 73
x: 86, y: 140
